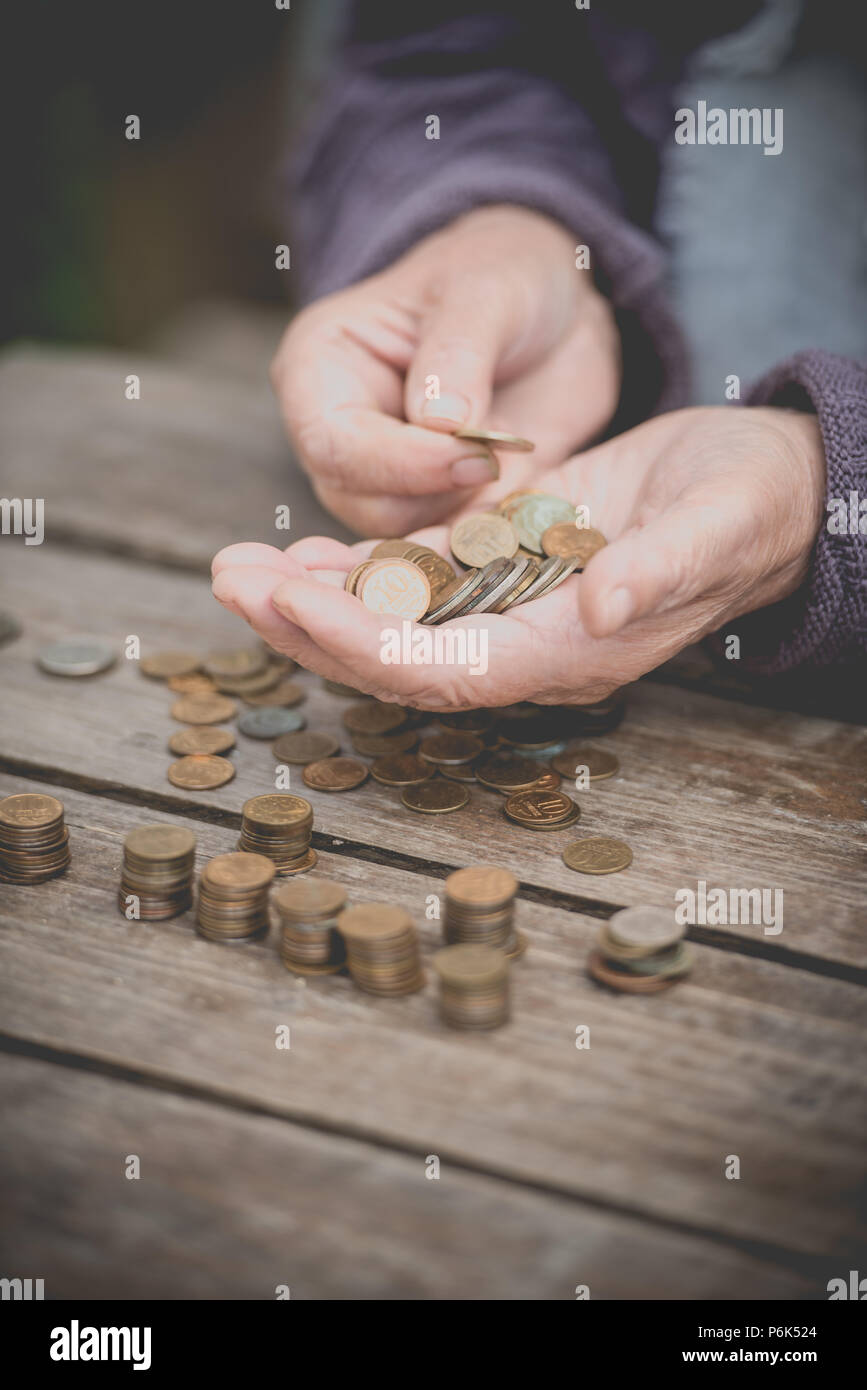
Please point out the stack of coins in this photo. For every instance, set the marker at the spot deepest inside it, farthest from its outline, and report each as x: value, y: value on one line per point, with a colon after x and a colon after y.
x: 157, y: 871
x: 308, y: 911
x: 233, y: 897
x: 382, y: 948
x: 480, y: 908
x: 640, y: 951
x: 474, y: 986
x: 34, y: 841
x: 280, y: 826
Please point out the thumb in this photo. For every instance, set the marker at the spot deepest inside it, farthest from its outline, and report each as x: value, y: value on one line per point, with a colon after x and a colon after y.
x: 451, y: 377
x: 677, y: 557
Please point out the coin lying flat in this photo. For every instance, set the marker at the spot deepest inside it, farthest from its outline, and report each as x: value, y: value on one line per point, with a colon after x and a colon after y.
x: 451, y: 748
x: 598, y: 762
x: 504, y: 772
x: 201, y: 772
x: 496, y: 439
x: 204, y: 739
x: 374, y: 718
x: 203, y: 709
x: 467, y: 721
x: 284, y: 694
x: 75, y: 658
x: 395, y: 586
x: 270, y: 722
x: 335, y: 774
x: 304, y: 747
x: 567, y: 540
x: 161, y: 665
x: 245, y: 686
x: 235, y: 661
x: 538, y: 806
x: 338, y: 688
x: 485, y: 536
x: 380, y: 745
x: 597, y: 855
x: 196, y: 684
x: 391, y: 550
x: 435, y: 798
x: 401, y: 770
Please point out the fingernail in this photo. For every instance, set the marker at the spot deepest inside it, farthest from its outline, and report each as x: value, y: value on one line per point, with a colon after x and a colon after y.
x: 451, y: 405
x: 474, y: 470
x: 618, y: 610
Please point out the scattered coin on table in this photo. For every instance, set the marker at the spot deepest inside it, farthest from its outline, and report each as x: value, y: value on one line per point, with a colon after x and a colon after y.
x: 304, y: 747
x: 235, y: 661
x: 334, y: 774
x: 597, y: 854
x: 401, y: 770
x: 270, y: 722
x: 161, y: 665
x: 374, y: 718
x: 541, y: 809
x: 76, y: 658
x: 204, y: 739
x: 201, y: 772
x: 599, y: 763
x: 435, y: 798
x: 203, y: 709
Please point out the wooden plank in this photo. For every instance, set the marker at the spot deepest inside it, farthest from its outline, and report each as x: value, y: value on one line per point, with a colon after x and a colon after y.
x: 231, y: 1205
x: 708, y: 790
x: 199, y: 461
x: 642, y: 1121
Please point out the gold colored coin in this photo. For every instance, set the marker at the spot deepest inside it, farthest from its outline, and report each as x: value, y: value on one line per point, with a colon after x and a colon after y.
x: 477, y: 540
x: 506, y: 773
x: 549, y: 781
x: 197, y: 684
x: 382, y: 745
x: 392, y: 550
x: 623, y: 981
x: 496, y: 439
x: 30, y: 810
x: 466, y: 966
x: 202, y: 740
x: 250, y: 685
x: 597, y: 854
x: 203, y: 709
x: 276, y: 809
x: 351, y: 581
x: 451, y: 748
x: 164, y: 664
x: 438, y: 570
x: 374, y: 718
x: 435, y: 798
x: 240, y: 871
x: 538, y: 806
x: 284, y: 695
x: 235, y: 661
x: 200, y: 772
x: 160, y: 844
x: 569, y: 541
x: 481, y: 886
x: 401, y: 770
x: 397, y: 587
x: 598, y: 762
x: 303, y: 747
x: 334, y: 774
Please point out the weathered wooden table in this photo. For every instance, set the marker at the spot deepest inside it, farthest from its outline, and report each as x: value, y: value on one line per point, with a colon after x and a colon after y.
x: 306, y: 1167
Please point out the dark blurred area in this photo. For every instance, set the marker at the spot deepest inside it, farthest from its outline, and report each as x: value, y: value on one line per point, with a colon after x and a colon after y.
x: 107, y: 237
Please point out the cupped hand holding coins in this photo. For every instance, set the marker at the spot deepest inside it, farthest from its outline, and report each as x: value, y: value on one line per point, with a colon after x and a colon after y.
x: 703, y: 522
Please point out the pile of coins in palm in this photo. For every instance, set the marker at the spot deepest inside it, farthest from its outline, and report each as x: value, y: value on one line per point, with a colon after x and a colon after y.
x: 525, y: 549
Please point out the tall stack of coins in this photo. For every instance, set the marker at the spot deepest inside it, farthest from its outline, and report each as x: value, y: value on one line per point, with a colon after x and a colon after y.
x: 279, y: 825
x: 480, y: 908
x: 640, y: 951
x: 34, y: 841
x: 474, y: 986
x: 233, y: 897
x: 382, y: 948
x: 308, y: 911
x: 157, y: 871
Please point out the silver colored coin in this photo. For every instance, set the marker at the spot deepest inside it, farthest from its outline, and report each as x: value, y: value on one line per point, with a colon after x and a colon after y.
x: 10, y: 628
x: 269, y: 721
x: 516, y: 573
x: 647, y: 928
x: 549, y: 579
x: 76, y: 658
x: 489, y: 579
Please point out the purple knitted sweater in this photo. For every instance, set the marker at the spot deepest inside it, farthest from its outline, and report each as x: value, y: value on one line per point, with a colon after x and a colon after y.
x: 564, y: 111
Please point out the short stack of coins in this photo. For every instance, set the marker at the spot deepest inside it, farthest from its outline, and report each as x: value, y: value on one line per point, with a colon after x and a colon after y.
x: 640, y: 950
x: 280, y: 826
x: 157, y: 876
x: 474, y: 986
x: 310, y: 942
x: 480, y: 909
x: 382, y: 948
x: 233, y: 897
x: 34, y: 841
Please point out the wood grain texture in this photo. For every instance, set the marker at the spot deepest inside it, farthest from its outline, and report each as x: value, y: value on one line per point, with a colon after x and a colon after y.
x: 231, y: 1206
x: 641, y: 1122
x: 708, y: 790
